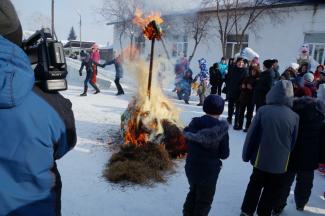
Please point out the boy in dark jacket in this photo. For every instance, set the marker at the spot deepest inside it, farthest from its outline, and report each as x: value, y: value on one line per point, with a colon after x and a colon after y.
x: 245, y: 100
x: 88, y: 63
x: 307, y: 153
x: 268, y: 144
x: 208, y: 142
x: 216, y: 79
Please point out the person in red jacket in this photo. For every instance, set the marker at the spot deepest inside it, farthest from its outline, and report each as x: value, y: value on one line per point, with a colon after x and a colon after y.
x: 95, y: 57
x: 319, y: 69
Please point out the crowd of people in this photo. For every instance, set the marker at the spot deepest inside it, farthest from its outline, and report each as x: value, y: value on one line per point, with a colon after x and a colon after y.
x: 285, y: 141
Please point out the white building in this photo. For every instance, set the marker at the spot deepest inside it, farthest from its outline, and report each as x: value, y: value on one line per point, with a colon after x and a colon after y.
x: 302, y: 22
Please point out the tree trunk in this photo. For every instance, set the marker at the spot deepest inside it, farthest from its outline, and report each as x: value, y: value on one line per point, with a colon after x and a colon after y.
x: 193, y: 52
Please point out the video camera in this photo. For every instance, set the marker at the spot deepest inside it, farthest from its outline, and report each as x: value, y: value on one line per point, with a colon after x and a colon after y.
x: 47, y: 53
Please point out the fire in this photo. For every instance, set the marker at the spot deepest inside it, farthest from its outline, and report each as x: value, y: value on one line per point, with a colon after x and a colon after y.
x: 150, y: 25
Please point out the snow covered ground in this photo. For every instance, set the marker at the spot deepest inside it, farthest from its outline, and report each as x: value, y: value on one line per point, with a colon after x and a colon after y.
x: 86, y: 193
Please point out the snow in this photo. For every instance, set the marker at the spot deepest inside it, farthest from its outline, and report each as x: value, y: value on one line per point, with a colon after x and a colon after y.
x: 85, y: 192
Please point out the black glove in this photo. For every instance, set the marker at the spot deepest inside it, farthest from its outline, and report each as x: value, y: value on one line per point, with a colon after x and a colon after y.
x: 80, y: 73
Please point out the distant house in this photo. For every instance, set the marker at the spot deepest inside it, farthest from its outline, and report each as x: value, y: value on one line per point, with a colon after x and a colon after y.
x: 304, y: 22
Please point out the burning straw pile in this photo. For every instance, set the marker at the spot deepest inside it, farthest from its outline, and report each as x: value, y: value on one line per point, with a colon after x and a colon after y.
x: 150, y: 126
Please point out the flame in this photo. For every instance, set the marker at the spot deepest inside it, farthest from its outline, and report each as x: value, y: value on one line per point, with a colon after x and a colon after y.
x: 150, y: 25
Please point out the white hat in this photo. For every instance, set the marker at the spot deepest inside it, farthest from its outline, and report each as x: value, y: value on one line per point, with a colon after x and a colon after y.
x: 321, y: 92
x: 294, y: 66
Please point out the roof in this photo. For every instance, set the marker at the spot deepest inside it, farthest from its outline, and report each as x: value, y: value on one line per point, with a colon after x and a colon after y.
x: 75, y: 43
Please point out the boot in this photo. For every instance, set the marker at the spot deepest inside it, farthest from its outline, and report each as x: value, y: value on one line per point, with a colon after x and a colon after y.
x: 85, y: 91
x: 96, y: 88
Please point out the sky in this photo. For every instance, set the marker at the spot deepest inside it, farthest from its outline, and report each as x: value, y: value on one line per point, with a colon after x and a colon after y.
x: 34, y: 13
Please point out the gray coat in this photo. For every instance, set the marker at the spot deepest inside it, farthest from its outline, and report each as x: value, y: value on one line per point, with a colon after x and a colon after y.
x: 273, y: 133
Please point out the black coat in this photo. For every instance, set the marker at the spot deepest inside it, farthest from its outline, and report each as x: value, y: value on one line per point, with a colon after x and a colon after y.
x: 208, y: 141
x: 246, y: 95
x: 234, y: 79
x: 263, y: 86
x: 215, y: 75
x: 310, y: 144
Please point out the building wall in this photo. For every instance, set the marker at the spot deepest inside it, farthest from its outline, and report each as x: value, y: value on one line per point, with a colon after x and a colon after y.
x: 281, y: 41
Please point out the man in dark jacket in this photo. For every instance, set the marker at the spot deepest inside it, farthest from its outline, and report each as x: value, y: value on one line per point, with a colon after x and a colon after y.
x: 268, y: 144
x: 88, y: 63
x: 245, y: 100
x: 117, y: 61
x: 234, y: 79
x: 307, y: 153
x: 208, y: 142
x: 37, y: 128
x: 216, y: 79
x: 263, y: 84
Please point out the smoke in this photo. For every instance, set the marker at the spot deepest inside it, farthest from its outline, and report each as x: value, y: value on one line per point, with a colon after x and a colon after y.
x: 169, y: 6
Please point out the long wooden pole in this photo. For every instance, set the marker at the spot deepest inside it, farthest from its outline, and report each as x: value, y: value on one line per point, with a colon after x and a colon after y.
x: 151, y: 67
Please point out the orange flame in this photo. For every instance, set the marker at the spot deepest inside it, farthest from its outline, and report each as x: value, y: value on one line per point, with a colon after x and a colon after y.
x: 149, y: 24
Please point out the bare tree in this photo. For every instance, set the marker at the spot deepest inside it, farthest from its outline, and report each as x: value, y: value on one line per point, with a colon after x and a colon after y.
x: 121, y: 13
x: 239, y: 16
x: 196, y: 27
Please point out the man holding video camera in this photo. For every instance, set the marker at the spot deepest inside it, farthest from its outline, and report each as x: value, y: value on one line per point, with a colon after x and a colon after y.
x: 37, y: 126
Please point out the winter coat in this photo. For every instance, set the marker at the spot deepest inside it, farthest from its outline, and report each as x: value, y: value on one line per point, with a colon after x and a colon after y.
x: 95, y: 56
x: 309, y: 148
x: 208, y: 141
x: 215, y: 75
x: 118, y: 67
x: 234, y: 79
x: 223, y: 69
x: 246, y: 94
x: 273, y: 132
x: 306, y: 90
x: 275, y: 76
x: 263, y: 85
x: 37, y: 128
x: 86, y: 62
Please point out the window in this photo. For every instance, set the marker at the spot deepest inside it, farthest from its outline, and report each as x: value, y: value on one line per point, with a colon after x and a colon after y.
x: 180, y: 47
x: 316, y: 43
x: 232, y: 47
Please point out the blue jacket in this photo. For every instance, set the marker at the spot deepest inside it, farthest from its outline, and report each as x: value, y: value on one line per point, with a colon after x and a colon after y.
x: 118, y: 67
x: 223, y: 69
x: 36, y: 129
x: 208, y: 141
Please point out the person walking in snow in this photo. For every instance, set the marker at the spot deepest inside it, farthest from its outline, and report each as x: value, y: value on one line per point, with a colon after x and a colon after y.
x: 269, y: 142
x: 95, y: 57
x: 37, y: 128
x: 308, y: 153
x: 208, y: 143
x: 117, y: 62
x: 203, y: 77
x: 88, y: 63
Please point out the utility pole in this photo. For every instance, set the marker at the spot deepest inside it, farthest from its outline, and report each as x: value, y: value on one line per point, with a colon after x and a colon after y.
x: 79, y: 28
x: 52, y: 21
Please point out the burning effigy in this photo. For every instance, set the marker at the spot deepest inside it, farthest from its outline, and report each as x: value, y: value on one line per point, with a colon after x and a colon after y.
x: 150, y: 126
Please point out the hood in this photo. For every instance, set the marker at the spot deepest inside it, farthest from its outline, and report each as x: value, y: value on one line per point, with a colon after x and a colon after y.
x: 308, y: 103
x: 16, y: 74
x: 281, y: 94
x: 209, y: 137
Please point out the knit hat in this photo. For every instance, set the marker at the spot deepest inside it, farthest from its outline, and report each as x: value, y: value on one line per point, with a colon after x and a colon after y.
x: 294, y: 66
x: 309, y: 78
x: 321, y: 92
x: 213, y: 105
x: 268, y: 63
x: 10, y: 27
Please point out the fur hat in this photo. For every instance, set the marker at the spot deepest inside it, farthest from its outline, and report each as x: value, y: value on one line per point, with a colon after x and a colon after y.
x: 213, y: 105
x: 294, y: 66
x: 10, y: 27
x: 321, y: 92
x: 309, y: 78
